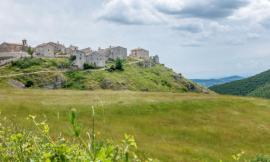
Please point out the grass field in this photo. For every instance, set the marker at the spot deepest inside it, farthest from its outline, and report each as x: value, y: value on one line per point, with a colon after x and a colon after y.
x: 167, y: 126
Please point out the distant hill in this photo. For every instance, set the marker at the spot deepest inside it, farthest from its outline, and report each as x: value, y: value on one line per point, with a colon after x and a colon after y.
x: 212, y: 82
x: 258, y: 86
x: 58, y: 73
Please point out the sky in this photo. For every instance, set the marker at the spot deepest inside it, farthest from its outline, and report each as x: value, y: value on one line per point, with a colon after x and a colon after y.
x: 198, y: 38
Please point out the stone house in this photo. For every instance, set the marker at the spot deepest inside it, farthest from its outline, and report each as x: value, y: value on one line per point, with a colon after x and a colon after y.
x: 71, y: 50
x: 93, y: 58
x: 96, y: 59
x: 80, y: 59
x: 112, y: 53
x: 12, y: 47
x: 11, y: 51
x: 140, y: 53
x: 87, y: 50
x: 50, y: 49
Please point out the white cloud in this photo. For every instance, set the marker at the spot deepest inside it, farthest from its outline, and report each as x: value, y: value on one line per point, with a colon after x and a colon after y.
x: 130, y: 12
x: 257, y: 11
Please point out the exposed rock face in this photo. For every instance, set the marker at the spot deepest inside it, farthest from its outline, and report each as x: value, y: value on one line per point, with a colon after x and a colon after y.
x: 57, y: 82
x: 149, y: 62
x: 106, y: 84
x: 177, y: 76
x: 16, y: 84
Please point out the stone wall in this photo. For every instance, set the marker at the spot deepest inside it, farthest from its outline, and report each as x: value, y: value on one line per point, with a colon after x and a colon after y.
x: 7, y: 57
x: 96, y: 59
x: 140, y: 53
x: 112, y: 53
x: 45, y: 51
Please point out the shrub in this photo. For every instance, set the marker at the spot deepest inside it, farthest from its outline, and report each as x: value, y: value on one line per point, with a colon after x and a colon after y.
x: 27, y: 62
x: 72, y: 58
x: 111, y: 69
x: 30, y: 51
x: 88, y: 66
x: 37, y: 145
x: 29, y: 83
x: 119, y: 64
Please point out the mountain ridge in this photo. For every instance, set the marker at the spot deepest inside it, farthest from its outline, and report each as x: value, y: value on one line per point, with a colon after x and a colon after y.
x: 257, y: 86
x: 211, y: 82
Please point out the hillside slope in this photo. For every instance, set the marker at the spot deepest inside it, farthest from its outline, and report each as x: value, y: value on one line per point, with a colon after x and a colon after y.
x: 57, y: 73
x: 258, y: 86
x: 188, y: 127
x: 212, y: 82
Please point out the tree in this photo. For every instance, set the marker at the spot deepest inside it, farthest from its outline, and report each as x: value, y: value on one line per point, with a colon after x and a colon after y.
x: 30, y: 51
x: 119, y: 64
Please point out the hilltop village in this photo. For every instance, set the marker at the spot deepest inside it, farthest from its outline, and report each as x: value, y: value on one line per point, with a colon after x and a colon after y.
x: 97, y: 58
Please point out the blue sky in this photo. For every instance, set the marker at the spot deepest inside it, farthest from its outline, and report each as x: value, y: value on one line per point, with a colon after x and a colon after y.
x: 199, y: 38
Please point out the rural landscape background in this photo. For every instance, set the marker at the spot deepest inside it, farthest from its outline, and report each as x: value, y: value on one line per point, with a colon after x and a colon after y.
x: 126, y: 80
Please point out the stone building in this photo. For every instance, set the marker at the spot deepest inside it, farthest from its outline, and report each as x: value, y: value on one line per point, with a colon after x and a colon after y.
x: 93, y: 58
x: 155, y: 59
x: 71, y: 50
x: 96, y: 59
x: 50, y: 49
x: 80, y: 59
x: 87, y: 50
x: 12, y: 47
x: 112, y: 53
x: 140, y: 53
x: 12, y: 51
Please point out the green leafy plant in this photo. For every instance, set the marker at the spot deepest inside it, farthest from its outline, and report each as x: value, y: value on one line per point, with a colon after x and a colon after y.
x: 37, y: 145
x: 27, y: 62
x: 119, y: 64
x: 88, y: 66
x: 30, y: 51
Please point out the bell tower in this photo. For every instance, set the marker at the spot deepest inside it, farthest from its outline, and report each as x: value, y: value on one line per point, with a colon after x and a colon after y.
x: 24, y: 42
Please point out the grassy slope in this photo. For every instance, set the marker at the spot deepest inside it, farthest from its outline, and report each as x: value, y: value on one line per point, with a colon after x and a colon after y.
x: 257, y: 85
x: 169, y: 126
x: 134, y: 77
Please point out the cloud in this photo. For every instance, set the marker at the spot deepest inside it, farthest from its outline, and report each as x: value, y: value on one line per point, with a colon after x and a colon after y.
x: 138, y: 12
x: 258, y: 11
x: 191, y: 27
x: 206, y: 9
x: 130, y: 12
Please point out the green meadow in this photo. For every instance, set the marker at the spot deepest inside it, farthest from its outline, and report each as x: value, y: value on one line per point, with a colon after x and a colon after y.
x: 167, y: 126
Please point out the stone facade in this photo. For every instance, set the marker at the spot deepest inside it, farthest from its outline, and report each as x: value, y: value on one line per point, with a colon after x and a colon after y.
x: 94, y: 58
x: 70, y: 51
x: 12, y: 47
x: 11, y: 52
x: 140, y: 53
x: 87, y: 50
x: 50, y: 50
x: 80, y: 59
x: 155, y: 59
x: 112, y: 53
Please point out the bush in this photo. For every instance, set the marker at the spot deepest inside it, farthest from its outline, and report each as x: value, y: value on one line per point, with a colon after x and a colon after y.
x: 111, y: 69
x: 29, y: 83
x: 30, y: 51
x: 37, y: 145
x: 88, y: 66
x: 72, y: 58
x: 27, y: 62
x: 119, y: 64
